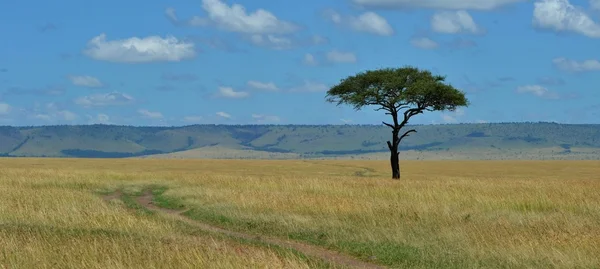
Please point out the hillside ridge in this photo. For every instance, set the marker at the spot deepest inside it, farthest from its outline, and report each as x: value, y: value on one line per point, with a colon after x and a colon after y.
x: 466, y: 140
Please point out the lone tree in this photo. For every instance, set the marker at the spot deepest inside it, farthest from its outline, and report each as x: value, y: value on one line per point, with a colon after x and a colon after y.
x: 402, y: 93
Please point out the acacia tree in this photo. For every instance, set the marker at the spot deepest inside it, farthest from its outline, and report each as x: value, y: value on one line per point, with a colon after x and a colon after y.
x: 400, y: 92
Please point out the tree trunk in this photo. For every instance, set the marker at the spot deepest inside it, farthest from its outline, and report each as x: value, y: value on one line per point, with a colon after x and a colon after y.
x: 395, y: 162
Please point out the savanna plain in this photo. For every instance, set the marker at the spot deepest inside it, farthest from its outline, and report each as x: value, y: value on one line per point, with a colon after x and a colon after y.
x: 90, y: 213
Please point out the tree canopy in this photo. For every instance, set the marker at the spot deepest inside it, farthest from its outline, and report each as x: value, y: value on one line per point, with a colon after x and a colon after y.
x: 394, y: 90
x: 397, y: 89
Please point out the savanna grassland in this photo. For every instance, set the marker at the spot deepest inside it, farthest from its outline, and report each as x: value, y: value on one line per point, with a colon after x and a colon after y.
x: 54, y: 213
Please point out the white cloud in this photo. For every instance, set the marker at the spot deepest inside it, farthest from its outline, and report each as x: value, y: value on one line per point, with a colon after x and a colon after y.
x: 170, y: 13
x: 98, y: 119
x: 272, y: 41
x: 234, y: 18
x: 104, y: 99
x: 259, y: 27
x: 5, y: 109
x: 150, y: 114
x: 453, y: 22
x: 67, y: 115
x: 369, y: 22
x: 453, y: 116
x: 259, y: 118
x: 336, y: 56
x: 44, y: 117
x: 318, y: 40
x: 574, y: 66
x: 448, y: 119
x: 102, y: 118
x: 346, y: 121
x: 538, y: 91
x: 436, y: 4
x: 595, y: 4
x: 139, y: 50
x: 193, y: 119
x: 62, y: 115
x: 223, y: 115
x: 309, y: 59
x: 86, y: 81
x: 310, y: 86
x: 279, y: 42
x: 562, y: 16
x: 229, y: 92
x: 267, y: 86
x: 424, y: 43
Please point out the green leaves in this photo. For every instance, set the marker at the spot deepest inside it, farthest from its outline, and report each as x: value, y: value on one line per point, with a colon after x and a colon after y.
x: 393, y: 88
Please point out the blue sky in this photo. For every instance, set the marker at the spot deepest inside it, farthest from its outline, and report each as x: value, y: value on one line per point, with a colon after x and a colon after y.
x: 244, y: 62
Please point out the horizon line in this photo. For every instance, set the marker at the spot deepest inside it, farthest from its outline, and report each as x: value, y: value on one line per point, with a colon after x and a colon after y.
x: 274, y: 124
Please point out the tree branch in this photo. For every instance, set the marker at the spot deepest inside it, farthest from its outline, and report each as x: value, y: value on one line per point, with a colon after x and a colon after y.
x: 389, y: 125
x: 411, y: 112
x: 406, y: 134
x: 383, y: 108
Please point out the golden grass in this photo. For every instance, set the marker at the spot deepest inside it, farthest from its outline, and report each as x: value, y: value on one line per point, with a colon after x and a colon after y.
x: 448, y: 214
x: 50, y: 217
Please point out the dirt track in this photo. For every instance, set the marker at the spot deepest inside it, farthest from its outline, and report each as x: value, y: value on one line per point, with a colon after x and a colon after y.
x: 310, y: 250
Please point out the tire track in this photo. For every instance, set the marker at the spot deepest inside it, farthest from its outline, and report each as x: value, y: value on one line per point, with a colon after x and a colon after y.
x: 331, y: 256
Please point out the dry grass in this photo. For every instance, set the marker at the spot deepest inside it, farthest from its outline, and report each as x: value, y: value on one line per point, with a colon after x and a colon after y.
x: 442, y: 214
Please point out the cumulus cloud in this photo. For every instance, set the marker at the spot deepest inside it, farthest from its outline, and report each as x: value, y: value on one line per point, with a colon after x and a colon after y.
x: 453, y: 116
x: 67, y: 115
x: 436, y: 4
x: 102, y: 118
x: 223, y: 115
x: 150, y: 114
x: 86, y: 81
x: 259, y: 27
x: 280, y: 42
x: 260, y: 118
x: 453, y: 22
x: 369, y: 22
x: 44, y: 117
x: 424, y: 43
x: 99, y: 118
x: 139, y: 50
x: 266, y: 86
x: 228, y: 92
x: 336, y: 56
x: 309, y: 59
x: 5, y: 109
x: 562, y: 16
x: 448, y: 119
x: 272, y: 41
x: 235, y: 18
x: 56, y: 116
x: 538, y: 90
x: 575, y: 66
x: 105, y: 99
